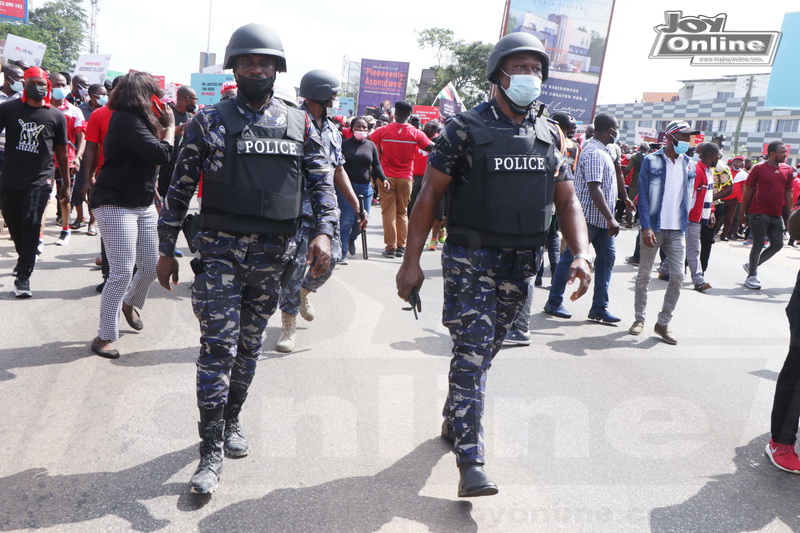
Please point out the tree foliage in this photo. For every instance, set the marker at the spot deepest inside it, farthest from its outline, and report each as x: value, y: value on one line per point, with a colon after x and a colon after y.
x: 61, y: 25
x: 596, y: 48
x: 463, y: 63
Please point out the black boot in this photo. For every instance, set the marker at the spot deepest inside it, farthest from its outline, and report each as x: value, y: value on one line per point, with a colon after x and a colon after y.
x: 474, y: 481
x: 448, y: 434
x: 236, y: 444
x: 206, y: 477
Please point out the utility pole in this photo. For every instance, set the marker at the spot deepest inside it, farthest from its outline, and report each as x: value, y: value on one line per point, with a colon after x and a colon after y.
x: 94, y: 45
x: 735, y: 150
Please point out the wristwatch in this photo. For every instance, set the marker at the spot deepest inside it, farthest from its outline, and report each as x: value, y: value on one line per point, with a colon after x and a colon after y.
x: 585, y: 257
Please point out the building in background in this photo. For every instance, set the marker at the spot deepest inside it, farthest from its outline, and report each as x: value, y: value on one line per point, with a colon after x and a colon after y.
x: 713, y: 106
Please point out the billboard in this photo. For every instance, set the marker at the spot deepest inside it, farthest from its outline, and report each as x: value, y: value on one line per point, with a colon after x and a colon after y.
x: 380, y: 81
x: 347, y: 107
x: 207, y: 87
x: 574, y: 33
x: 14, y: 10
x: 783, y: 81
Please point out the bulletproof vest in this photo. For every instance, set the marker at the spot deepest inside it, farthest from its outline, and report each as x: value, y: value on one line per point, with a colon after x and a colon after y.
x: 259, y: 186
x: 508, y: 201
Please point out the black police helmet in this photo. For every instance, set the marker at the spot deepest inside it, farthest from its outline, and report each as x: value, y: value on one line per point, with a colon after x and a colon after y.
x: 511, y: 44
x: 319, y: 85
x: 255, y: 39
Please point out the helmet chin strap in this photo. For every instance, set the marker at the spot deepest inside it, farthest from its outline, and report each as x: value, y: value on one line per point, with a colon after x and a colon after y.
x: 517, y: 109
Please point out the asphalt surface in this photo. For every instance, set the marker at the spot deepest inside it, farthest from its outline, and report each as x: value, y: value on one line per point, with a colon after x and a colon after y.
x: 588, y: 429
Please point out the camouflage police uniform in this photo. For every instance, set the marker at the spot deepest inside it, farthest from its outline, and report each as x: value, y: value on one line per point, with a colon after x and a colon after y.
x: 328, y: 141
x: 237, y: 290
x: 484, y: 287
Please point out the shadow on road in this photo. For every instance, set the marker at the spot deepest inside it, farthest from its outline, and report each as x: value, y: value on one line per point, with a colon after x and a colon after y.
x: 363, y: 503
x: 747, y: 500
x: 64, y: 353
x: 34, y: 499
x: 437, y: 343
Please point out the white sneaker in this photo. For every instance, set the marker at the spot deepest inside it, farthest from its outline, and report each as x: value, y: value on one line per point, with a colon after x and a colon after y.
x: 63, y: 239
x: 752, y: 282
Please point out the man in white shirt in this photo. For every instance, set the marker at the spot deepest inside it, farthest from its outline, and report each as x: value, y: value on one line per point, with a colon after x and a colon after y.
x: 665, y: 184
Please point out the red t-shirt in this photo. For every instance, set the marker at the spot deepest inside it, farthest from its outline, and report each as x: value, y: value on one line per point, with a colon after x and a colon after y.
x: 421, y: 161
x: 795, y: 190
x: 397, y: 144
x: 770, y: 185
x: 96, y: 130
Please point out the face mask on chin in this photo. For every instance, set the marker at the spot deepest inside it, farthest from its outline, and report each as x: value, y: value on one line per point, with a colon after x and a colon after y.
x: 255, y: 89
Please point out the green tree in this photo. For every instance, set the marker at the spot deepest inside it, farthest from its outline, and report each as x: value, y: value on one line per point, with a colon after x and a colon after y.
x: 61, y: 25
x: 440, y: 40
x: 596, y: 48
x: 461, y: 62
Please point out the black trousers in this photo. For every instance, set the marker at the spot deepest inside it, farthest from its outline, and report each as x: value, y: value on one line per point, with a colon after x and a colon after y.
x: 23, y: 211
x: 786, y: 405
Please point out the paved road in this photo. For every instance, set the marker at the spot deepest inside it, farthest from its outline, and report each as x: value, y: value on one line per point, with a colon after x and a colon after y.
x: 588, y: 429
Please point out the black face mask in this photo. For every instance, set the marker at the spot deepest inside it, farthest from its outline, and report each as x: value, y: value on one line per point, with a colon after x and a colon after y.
x: 35, y: 92
x: 191, y: 108
x: 255, y: 89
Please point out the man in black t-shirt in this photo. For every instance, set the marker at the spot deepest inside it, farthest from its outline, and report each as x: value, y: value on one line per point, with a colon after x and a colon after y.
x: 34, y: 132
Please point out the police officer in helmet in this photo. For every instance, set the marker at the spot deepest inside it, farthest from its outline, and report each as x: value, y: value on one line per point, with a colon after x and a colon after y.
x: 258, y: 166
x: 502, y: 168
x: 320, y: 89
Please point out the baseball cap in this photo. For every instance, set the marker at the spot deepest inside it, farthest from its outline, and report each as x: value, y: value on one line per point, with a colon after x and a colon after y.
x: 680, y: 126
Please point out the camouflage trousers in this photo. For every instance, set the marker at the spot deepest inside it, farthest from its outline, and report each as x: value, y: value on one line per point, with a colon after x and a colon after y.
x: 484, y: 288
x: 233, y: 298
x: 300, y: 276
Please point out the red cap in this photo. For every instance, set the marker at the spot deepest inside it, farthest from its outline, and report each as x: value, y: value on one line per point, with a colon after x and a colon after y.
x: 37, y: 72
x: 228, y: 86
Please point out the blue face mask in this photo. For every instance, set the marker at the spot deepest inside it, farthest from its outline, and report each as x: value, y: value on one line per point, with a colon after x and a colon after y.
x: 103, y: 100
x: 16, y: 86
x: 59, y: 93
x: 681, y: 147
x: 523, y: 89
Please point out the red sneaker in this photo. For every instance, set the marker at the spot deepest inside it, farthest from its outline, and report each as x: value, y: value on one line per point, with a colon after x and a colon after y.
x: 783, y: 456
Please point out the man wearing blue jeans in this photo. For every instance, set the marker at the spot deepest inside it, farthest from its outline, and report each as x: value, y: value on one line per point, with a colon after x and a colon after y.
x: 596, y: 186
x: 666, y: 180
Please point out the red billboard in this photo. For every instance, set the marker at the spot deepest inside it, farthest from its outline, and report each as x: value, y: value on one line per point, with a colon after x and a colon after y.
x: 16, y: 10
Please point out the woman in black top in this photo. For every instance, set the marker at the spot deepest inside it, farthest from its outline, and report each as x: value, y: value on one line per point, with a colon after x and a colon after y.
x: 122, y: 200
x: 362, y: 164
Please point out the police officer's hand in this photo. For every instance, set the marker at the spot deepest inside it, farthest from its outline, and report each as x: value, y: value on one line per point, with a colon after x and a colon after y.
x: 580, y: 268
x: 410, y: 276
x: 613, y: 227
x: 319, y: 254
x: 648, y: 237
x: 167, y: 268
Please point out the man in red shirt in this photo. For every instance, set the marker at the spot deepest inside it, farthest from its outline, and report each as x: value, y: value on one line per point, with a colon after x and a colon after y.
x: 397, y: 144
x: 766, y: 201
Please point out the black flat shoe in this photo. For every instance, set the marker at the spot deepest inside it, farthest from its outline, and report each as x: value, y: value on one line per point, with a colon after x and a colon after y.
x: 135, y: 323
x: 474, y: 482
x: 108, y: 354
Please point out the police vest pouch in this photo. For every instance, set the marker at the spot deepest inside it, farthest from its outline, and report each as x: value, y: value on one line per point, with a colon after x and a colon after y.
x: 259, y: 187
